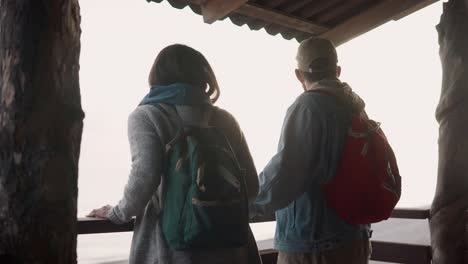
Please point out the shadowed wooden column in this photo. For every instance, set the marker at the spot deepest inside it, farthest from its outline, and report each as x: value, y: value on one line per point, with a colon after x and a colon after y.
x: 40, y: 130
x: 447, y: 221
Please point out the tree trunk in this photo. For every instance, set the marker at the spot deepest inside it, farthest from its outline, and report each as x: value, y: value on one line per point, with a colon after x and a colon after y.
x: 447, y: 221
x: 40, y: 130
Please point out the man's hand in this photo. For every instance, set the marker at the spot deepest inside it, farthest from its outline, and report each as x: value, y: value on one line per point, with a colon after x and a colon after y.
x: 101, y: 212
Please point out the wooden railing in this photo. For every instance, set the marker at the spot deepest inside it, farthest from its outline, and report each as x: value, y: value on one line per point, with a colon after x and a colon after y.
x: 402, y: 252
x: 381, y: 250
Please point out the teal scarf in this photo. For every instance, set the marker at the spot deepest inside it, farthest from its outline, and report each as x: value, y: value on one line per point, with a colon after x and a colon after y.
x: 176, y: 94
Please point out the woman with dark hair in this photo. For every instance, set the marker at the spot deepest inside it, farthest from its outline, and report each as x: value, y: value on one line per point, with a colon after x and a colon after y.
x: 181, y: 78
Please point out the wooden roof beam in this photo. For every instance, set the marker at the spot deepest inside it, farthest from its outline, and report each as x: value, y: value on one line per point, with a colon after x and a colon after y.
x: 213, y: 10
x: 374, y: 17
x: 281, y: 19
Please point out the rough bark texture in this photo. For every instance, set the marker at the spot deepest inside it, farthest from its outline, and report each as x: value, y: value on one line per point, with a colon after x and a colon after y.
x: 40, y: 130
x: 451, y: 200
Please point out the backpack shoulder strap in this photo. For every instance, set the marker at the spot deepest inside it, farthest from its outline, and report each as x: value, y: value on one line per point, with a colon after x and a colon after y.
x: 172, y: 115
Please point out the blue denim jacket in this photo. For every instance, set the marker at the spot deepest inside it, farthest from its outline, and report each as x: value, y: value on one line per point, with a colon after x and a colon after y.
x: 310, y: 147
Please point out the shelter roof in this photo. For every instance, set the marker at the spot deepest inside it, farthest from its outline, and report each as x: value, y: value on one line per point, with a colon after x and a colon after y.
x: 338, y: 20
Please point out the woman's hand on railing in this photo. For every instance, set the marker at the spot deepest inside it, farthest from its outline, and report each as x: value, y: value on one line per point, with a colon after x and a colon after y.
x: 102, y: 212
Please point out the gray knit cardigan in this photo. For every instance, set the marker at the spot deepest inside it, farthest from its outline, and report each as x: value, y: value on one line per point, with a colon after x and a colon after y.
x: 149, y: 129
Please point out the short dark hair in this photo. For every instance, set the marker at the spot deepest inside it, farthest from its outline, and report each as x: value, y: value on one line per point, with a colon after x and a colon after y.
x: 321, y: 69
x: 182, y: 64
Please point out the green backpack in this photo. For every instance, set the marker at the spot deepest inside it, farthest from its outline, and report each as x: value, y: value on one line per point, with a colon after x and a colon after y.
x: 204, y: 200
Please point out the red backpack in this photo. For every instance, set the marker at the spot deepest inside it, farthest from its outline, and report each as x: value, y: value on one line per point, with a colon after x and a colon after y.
x: 367, y: 185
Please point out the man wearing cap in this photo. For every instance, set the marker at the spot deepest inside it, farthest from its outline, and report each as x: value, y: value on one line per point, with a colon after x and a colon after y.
x: 311, y: 143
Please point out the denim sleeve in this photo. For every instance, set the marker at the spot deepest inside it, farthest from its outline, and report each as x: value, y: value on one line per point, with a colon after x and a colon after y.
x: 288, y: 173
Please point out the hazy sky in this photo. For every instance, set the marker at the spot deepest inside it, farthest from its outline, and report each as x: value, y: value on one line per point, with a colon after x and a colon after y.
x: 395, y: 68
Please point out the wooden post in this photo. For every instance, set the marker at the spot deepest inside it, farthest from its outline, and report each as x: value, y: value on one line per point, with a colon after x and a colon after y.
x: 40, y: 130
x: 447, y: 221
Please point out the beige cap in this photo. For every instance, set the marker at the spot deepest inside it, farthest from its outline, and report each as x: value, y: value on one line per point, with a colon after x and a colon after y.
x: 312, y: 49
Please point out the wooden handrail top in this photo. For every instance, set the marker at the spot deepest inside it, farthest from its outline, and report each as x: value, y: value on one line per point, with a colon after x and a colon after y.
x: 95, y: 226
x: 411, y: 213
x: 405, y: 213
x: 88, y: 225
